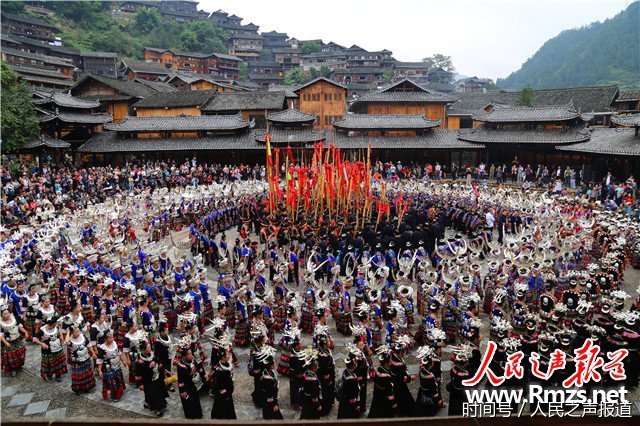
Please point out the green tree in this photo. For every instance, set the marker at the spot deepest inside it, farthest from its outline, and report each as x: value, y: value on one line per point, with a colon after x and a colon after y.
x: 12, y: 6
x: 296, y: 76
x: 203, y: 36
x: 80, y: 12
x: 387, y: 76
x: 244, y: 70
x: 310, y: 47
x: 325, y: 71
x: 525, y: 97
x: 19, y: 122
x: 439, y: 60
x: 313, y: 73
x: 147, y: 20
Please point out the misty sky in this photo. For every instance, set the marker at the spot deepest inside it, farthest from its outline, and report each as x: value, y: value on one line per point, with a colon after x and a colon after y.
x: 487, y: 38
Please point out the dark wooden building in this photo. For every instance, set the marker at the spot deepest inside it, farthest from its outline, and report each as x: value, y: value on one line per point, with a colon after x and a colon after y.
x: 404, y: 97
x: 116, y: 96
x: 324, y: 98
x: 28, y: 27
x: 251, y: 105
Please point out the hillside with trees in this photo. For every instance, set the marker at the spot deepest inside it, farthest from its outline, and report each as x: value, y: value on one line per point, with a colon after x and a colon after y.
x: 600, y: 53
x: 89, y: 26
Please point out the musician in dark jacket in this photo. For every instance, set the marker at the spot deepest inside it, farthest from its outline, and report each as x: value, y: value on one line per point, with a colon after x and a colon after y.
x: 222, y: 387
x: 311, y: 395
x: 268, y: 385
x: 383, y: 404
x: 150, y: 380
x: 350, y: 405
x: 188, y: 381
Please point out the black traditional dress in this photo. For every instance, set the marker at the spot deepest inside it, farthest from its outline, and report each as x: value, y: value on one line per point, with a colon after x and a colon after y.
x: 222, y: 387
x: 456, y: 390
x: 296, y: 376
x: 427, y: 402
x: 327, y: 376
x: 311, y: 396
x: 188, y: 380
x: 269, y: 399
x: 148, y: 375
x: 349, y: 407
x: 383, y: 397
x: 400, y: 379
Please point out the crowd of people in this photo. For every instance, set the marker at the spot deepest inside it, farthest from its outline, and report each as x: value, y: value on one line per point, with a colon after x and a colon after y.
x: 123, y: 305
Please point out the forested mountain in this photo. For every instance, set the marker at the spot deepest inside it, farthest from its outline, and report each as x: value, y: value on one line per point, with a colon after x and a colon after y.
x: 597, y: 54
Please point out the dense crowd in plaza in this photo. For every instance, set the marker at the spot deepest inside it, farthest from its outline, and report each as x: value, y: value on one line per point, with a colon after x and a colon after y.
x: 118, y: 301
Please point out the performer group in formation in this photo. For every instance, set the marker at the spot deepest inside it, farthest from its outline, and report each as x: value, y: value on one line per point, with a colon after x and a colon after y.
x: 120, y: 310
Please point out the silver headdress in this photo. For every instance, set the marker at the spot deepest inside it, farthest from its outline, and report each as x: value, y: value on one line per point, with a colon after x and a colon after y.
x: 426, y: 353
x: 463, y: 352
x: 308, y: 356
x: 265, y: 353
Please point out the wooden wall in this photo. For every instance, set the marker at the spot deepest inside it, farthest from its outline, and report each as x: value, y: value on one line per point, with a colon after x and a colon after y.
x: 167, y: 112
x: 119, y: 110
x: 327, y: 101
x: 453, y: 122
x: 432, y: 111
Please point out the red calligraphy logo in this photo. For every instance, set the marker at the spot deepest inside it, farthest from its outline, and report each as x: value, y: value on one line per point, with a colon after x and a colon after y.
x: 615, y: 367
x: 484, y: 369
x: 587, y: 364
x: 513, y: 368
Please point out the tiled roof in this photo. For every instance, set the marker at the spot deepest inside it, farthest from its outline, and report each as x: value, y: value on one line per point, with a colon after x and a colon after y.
x: 363, y: 70
x: 130, y: 89
x: 315, y: 80
x: 176, y: 99
x: 585, y: 99
x: 385, y: 121
x: 389, y: 94
x: 66, y: 100
x: 180, y: 123
x: 291, y: 115
x: 44, y: 140
x: 629, y: 95
x: 484, y: 134
x: 105, y: 55
x: 46, y: 80
x: 26, y: 20
x: 78, y: 118
x: 145, y: 67
x: 111, y: 142
x: 433, y: 139
x: 158, y: 86
x: 528, y: 114
x: 21, y: 69
x: 263, y: 64
x: 626, y: 120
x: 608, y: 141
x: 245, y: 101
x: 291, y: 136
x: 69, y: 51
x: 288, y: 90
x: 53, y: 60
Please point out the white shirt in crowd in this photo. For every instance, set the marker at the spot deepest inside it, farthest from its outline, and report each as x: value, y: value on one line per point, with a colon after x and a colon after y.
x: 490, y: 219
